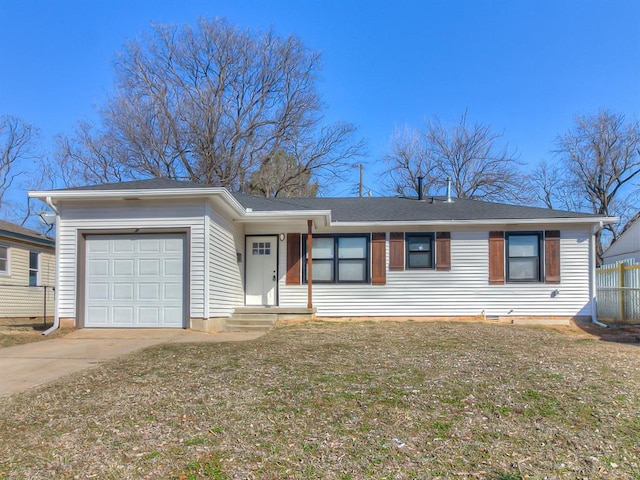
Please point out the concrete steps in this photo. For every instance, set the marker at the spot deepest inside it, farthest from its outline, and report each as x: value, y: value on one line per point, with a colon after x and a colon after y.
x: 262, y: 319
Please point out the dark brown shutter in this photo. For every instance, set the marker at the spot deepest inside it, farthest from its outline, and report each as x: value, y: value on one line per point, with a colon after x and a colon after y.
x: 496, y: 258
x: 293, y: 259
x: 443, y: 251
x: 396, y: 251
x: 378, y: 259
x: 552, y: 256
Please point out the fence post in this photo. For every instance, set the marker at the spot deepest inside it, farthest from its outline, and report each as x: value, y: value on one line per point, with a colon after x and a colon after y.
x: 621, y: 289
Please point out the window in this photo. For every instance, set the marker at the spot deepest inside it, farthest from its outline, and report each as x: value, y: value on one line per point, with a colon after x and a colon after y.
x: 523, y: 257
x: 4, y: 259
x: 34, y: 268
x: 261, y: 248
x: 419, y: 250
x: 339, y: 259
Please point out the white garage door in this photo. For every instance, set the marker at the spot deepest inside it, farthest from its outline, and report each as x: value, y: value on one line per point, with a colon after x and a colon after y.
x: 134, y: 281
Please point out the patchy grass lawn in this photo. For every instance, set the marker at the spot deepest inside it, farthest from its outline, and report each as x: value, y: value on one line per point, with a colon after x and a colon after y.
x: 16, y: 331
x: 341, y: 401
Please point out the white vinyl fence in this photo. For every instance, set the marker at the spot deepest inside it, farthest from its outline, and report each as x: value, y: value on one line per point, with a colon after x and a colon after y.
x: 618, y: 292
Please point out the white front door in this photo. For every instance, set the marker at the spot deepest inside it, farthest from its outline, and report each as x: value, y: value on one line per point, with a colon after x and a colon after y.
x: 262, y: 270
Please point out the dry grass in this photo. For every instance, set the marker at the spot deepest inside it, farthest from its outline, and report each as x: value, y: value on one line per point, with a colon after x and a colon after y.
x: 341, y: 401
x: 16, y: 331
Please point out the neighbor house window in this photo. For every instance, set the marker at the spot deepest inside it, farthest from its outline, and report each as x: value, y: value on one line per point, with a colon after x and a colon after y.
x: 4, y: 259
x: 339, y: 259
x: 34, y: 268
x: 419, y: 250
x: 523, y: 257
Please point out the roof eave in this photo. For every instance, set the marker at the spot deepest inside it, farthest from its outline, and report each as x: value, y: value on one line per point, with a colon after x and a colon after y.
x: 494, y: 221
x: 287, y: 215
x: 139, y: 194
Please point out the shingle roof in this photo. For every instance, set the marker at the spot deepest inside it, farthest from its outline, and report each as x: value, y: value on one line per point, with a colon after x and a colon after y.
x: 11, y: 230
x: 380, y: 209
x: 370, y: 209
x: 148, y: 184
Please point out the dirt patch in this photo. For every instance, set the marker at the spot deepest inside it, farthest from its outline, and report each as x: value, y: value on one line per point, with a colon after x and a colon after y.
x: 341, y: 401
x: 16, y: 331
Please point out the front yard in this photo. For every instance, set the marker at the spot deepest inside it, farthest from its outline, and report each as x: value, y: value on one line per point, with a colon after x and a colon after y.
x: 16, y: 331
x: 341, y: 401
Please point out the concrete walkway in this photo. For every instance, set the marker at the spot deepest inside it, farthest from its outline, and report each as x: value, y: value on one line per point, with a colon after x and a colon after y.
x: 31, y: 364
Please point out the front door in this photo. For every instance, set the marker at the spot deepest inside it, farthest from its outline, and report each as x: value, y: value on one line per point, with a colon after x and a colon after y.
x: 262, y: 270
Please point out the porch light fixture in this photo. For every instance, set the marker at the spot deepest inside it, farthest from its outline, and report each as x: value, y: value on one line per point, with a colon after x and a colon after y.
x: 282, y: 235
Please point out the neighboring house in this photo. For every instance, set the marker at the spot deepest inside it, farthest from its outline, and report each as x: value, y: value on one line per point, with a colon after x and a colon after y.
x: 27, y: 264
x: 172, y: 254
x: 627, y: 246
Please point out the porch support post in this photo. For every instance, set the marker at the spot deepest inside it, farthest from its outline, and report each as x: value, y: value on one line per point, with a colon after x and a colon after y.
x: 309, y: 264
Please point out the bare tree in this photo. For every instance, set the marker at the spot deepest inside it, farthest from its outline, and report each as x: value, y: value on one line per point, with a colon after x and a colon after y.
x: 16, y: 146
x: 209, y: 104
x: 282, y: 176
x: 601, y: 158
x: 409, y: 159
x: 470, y: 155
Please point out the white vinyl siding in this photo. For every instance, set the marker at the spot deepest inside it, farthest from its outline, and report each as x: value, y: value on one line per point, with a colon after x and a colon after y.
x: 226, y: 240
x: 626, y: 247
x: 131, y: 216
x: 462, y: 291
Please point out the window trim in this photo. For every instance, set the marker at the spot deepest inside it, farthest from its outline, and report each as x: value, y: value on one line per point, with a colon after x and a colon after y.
x: 7, y: 270
x: 431, y: 236
x: 336, y: 259
x: 540, y: 256
x: 37, y: 269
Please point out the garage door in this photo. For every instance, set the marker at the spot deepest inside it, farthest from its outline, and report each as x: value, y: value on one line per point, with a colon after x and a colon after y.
x: 134, y: 281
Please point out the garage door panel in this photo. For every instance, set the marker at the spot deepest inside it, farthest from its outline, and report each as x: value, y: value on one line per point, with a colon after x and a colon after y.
x: 172, y: 315
x: 98, y: 315
x: 98, y: 291
x: 172, y: 291
x: 173, y: 245
x: 149, y: 291
x: 135, y: 281
x: 123, y: 315
x: 123, y: 245
x: 149, y: 315
x: 149, y: 268
x: 123, y: 267
x: 123, y: 291
x: 98, y: 267
x: 149, y: 246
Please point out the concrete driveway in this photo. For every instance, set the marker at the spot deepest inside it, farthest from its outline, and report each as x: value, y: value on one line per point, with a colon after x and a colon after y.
x: 31, y: 364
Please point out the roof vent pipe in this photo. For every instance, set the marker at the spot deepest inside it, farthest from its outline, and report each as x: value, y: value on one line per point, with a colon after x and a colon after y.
x: 420, y: 188
x: 449, y: 190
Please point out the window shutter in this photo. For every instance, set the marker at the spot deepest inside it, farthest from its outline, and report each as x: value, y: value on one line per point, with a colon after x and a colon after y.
x: 496, y: 258
x: 396, y: 251
x: 443, y: 251
x: 293, y: 259
x: 378, y: 259
x: 552, y: 256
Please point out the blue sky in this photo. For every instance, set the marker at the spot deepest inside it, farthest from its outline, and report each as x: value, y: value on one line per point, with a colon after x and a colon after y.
x: 524, y: 67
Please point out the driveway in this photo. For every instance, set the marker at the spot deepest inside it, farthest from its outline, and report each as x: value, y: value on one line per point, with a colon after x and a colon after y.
x: 31, y: 364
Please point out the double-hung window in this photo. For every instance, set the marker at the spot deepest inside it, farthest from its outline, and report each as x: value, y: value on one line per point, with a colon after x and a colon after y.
x: 523, y: 257
x: 339, y: 259
x: 419, y: 250
x: 4, y: 260
x: 34, y: 269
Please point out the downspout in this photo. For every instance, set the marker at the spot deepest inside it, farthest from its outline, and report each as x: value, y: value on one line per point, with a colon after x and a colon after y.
x: 56, y: 317
x: 592, y: 283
